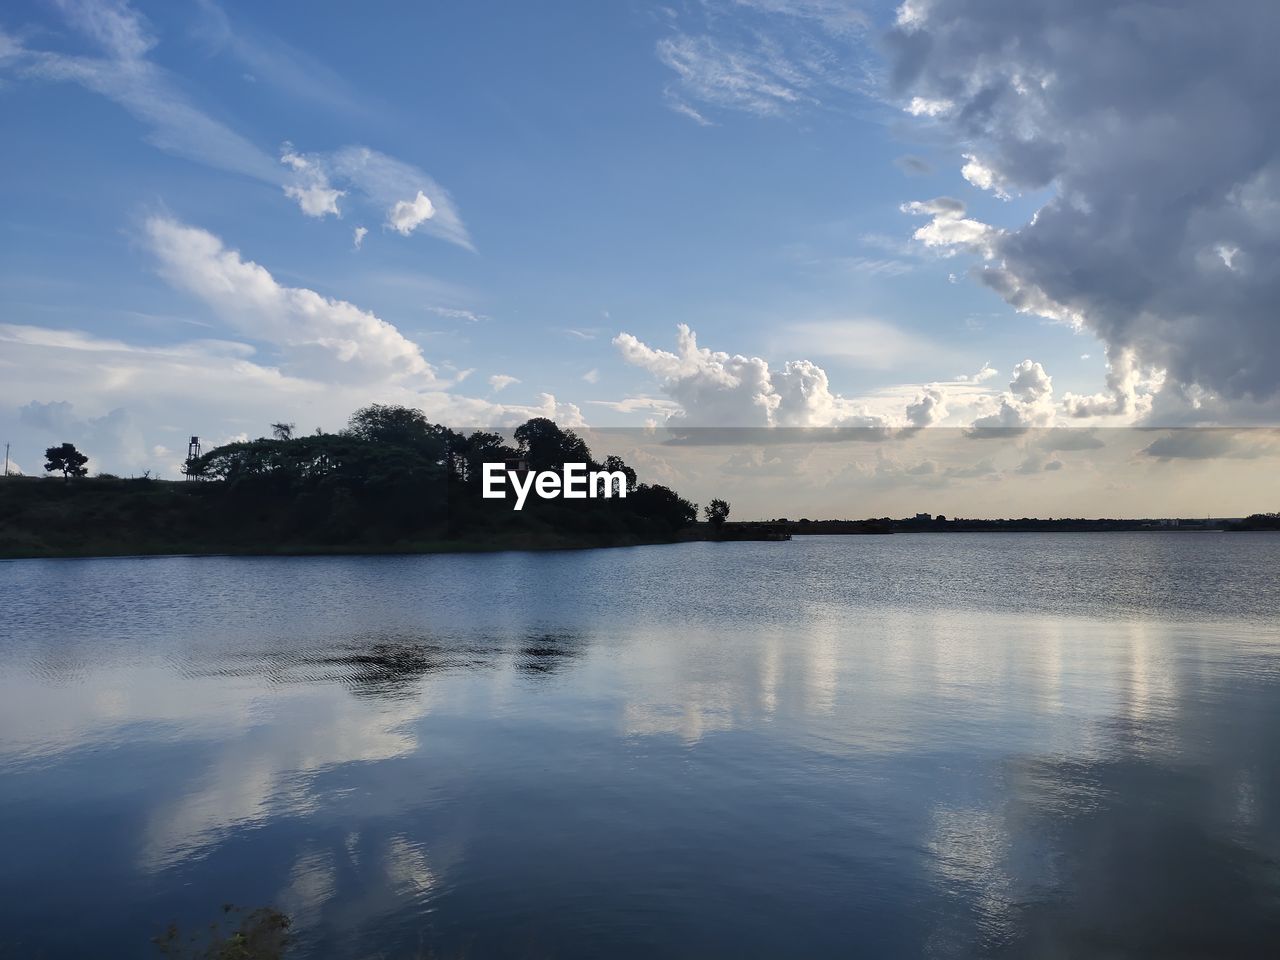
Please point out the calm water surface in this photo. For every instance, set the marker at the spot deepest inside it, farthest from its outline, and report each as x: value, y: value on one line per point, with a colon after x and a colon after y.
x: 919, y: 745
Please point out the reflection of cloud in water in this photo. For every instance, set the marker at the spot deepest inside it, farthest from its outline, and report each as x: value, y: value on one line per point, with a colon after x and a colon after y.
x: 267, y: 772
x: 1144, y: 866
x: 313, y: 881
x: 408, y: 872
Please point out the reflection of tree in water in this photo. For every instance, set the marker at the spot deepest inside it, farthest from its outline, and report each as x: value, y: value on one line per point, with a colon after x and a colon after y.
x: 547, y: 653
x: 390, y: 666
x: 382, y: 665
x: 1139, y: 861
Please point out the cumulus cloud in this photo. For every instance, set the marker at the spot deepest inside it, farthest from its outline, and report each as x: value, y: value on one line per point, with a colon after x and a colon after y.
x: 500, y: 381
x: 357, y: 237
x: 950, y: 231
x: 717, y: 389
x: 311, y: 190
x: 928, y: 408
x: 1151, y: 125
x: 1130, y: 391
x: 1028, y: 402
x: 405, y: 216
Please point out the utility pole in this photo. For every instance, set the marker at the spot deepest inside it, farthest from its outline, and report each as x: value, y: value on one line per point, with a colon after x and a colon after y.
x: 6, y: 458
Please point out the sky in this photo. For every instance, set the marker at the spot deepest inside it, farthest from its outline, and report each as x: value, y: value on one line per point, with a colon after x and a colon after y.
x: 969, y: 216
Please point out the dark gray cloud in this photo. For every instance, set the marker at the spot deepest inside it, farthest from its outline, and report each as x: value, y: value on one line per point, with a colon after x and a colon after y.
x: 1203, y: 443
x: 914, y: 166
x: 1070, y: 438
x: 1154, y: 123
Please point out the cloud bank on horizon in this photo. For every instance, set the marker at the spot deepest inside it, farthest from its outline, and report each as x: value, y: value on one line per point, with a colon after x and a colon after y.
x: 1112, y: 168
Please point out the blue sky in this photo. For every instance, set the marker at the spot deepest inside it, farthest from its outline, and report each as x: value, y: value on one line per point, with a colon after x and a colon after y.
x: 591, y: 170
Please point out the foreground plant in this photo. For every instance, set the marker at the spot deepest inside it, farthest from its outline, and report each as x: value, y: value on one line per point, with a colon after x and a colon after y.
x: 261, y: 934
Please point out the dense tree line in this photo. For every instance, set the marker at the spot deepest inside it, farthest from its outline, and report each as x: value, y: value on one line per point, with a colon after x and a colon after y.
x: 392, y: 475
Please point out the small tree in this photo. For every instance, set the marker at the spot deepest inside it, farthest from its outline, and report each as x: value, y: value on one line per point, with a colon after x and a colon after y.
x: 67, y: 459
x: 717, y: 512
x: 282, y: 431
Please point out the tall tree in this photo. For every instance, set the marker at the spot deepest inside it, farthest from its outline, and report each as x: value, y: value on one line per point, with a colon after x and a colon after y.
x: 67, y: 459
x: 388, y: 423
x: 547, y: 447
x: 717, y: 512
x: 282, y: 431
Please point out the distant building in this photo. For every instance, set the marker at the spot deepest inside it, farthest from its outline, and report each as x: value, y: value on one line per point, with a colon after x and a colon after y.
x: 924, y: 516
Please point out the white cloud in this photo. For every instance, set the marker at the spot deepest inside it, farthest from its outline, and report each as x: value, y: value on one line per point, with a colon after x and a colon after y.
x: 311, y: 190
x: 950, y: 229
x: 592, y: 376
x: 500, y: 381
x: 413, y: 201
x: 409, y: 200
x: 405, y: 216
x: 125, y: 75
x: 315, y: 201
x: 925, y: 107
x: 358, y: 235
x: 737, y: 78
x: 982, y: 176
x: 983, y: 375
x: 1027, y: 403
x: 118, y: 401
x: 715, y: 389
x: 317, y: 335
x: 929, y: 408
x: 766, y: 57
x: 456, y: 313
x: 1129, y: 393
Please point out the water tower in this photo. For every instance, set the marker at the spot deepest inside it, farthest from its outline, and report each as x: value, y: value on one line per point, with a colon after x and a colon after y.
x: 193, y: 453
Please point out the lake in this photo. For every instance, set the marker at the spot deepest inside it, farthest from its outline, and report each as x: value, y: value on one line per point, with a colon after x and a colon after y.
x: 947, y: 745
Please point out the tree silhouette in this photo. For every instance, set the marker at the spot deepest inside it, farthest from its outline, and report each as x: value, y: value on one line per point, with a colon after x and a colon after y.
x: 547, y: 447
x: 617, y: 464
x: 388, y: 423
x: 717, y: 512
x: 67, y: 459
x: 282, y: 431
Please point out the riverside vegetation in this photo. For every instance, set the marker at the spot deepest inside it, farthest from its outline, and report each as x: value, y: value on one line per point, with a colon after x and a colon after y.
x: 392, y: 481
